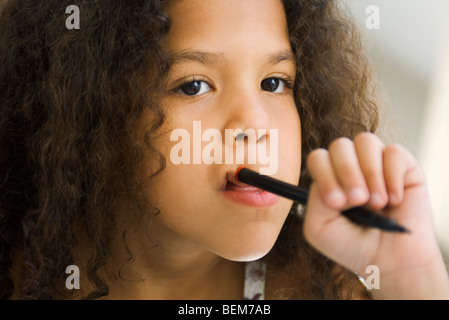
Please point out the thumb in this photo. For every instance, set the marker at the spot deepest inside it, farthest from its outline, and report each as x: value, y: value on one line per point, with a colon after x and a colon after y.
x: 328, y: 231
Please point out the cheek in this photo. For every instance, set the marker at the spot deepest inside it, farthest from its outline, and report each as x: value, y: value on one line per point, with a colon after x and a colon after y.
x: 290, y: 147
x: 183, y: 197
x: 292, y: 134
x: 179, y: 186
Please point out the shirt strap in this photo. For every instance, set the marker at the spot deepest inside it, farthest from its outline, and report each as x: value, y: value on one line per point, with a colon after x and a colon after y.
x: 255, y: 275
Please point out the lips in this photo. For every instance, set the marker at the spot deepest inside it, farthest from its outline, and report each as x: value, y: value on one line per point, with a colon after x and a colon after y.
x: 245, y: 194
x: 233, y: 184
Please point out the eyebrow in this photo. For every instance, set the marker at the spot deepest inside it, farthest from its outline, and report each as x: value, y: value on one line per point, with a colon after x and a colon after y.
x: 213, y: 58
x: 198, y: 56
x: 283, y: 55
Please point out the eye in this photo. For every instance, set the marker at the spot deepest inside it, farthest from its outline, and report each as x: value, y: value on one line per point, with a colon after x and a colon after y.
x: 193, y: 88
x: 275, y: 85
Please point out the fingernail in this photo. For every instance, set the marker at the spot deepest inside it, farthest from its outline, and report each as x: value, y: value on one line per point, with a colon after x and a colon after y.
x: 336, y: 196
x: 357, y: 194
x: 376, y: 199
x: 393, y: 198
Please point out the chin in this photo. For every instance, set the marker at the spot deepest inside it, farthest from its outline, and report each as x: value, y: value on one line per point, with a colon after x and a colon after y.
x: 249, y: 250
x: 249, y: 256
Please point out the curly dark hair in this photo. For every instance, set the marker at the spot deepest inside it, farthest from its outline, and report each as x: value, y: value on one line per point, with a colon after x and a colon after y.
x: 69, y: 104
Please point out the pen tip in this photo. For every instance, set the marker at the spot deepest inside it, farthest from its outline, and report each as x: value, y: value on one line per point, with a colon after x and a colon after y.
x: 237, y: 173
x: 398, y: 228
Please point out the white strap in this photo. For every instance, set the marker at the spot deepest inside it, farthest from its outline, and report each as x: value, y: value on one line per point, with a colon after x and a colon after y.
x: 255, y: 274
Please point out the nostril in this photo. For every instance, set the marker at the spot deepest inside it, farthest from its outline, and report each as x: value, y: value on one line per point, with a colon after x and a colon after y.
x: 262, y: 137
x: 241, y: 136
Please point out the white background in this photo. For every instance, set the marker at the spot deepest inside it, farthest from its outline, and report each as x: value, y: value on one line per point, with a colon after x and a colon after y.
x: 410, y: 54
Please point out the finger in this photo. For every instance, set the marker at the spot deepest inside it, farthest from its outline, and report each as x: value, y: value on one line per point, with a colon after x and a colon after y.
x: 347, y: 169
x: 369, y: 149
x: 400, y: 170
x: 322, y: 172
x: 329, y: 232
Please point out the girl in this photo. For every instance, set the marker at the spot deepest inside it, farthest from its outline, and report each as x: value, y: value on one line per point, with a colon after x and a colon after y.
x: 88, y: 177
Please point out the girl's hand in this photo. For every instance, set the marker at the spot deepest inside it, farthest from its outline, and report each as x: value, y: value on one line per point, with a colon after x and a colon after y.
x: 386, y: 179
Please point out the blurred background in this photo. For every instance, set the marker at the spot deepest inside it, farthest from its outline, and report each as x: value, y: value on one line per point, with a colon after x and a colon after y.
x: 409, y: 48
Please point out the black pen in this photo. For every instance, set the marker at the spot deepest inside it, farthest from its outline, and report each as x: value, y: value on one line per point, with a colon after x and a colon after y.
x: 357, y: 215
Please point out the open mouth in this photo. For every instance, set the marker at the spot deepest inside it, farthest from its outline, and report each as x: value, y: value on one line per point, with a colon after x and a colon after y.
x: 232, y: 184
x: 245, y: 194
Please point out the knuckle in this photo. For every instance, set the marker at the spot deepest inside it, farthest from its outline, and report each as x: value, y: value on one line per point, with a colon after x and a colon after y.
x: 365, y: 137
x: 395, y: 149
x: 339, y: 143
x: 316, y: 154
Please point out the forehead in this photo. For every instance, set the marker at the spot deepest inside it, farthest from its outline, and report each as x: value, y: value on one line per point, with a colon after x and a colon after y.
x: 227, y: 24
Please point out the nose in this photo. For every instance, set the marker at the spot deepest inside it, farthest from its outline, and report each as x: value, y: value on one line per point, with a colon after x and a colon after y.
x: 248, y: 125
x: 245, y: 109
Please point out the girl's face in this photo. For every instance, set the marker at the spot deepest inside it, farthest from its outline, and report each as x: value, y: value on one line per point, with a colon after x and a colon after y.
x: 232, y: 69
